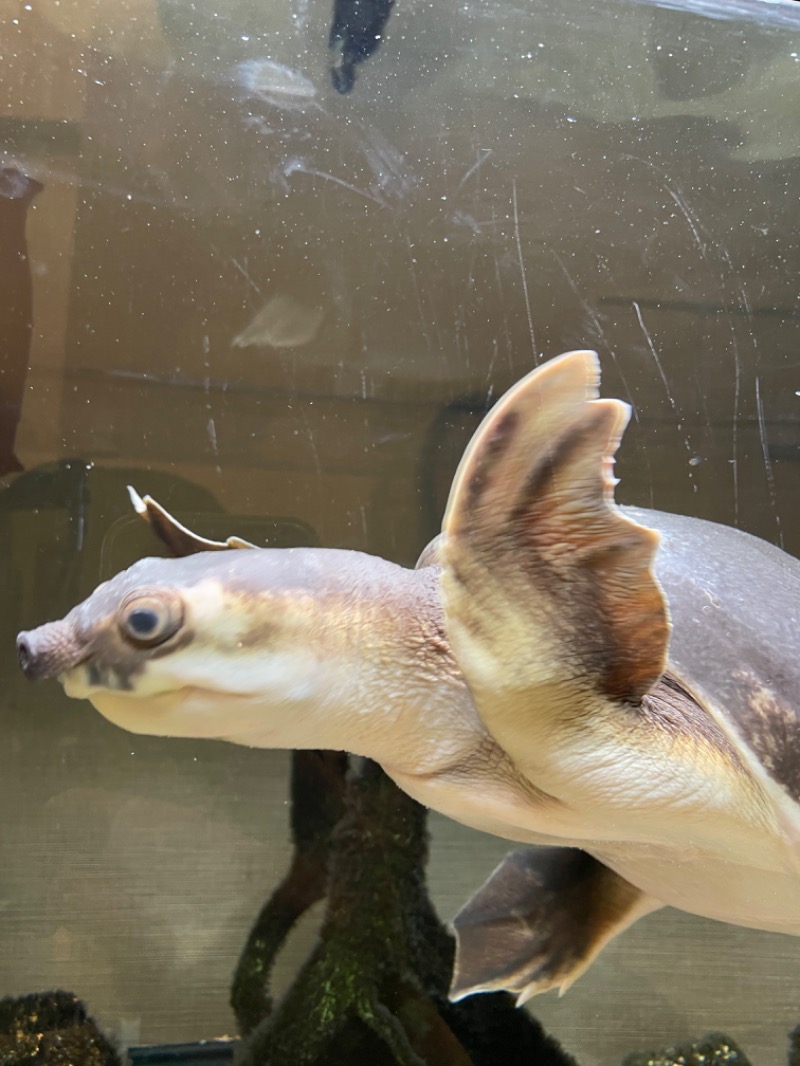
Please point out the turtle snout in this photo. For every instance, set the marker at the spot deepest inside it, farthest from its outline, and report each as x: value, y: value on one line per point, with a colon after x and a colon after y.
x: 47, y: 651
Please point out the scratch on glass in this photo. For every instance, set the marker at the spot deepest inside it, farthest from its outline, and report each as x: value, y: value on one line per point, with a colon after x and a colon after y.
x: 594, y: 318
x: 476, y: 166
x: 418, y: 294
x: 212, y: 437
x: 523, y: 274
x: 665, y: 381
x: 296, y: 166
x: 762, y: 433
x: 312, y: 441
x: 246, y: 275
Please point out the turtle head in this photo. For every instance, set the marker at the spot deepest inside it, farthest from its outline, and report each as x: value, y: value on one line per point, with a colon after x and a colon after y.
x: 237, y: 645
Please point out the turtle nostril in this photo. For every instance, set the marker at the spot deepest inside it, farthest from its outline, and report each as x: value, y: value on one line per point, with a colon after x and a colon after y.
x: 27, y: 659
x: 48, y: 651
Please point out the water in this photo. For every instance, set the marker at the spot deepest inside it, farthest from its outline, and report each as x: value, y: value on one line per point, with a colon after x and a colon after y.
x: 504, y: 182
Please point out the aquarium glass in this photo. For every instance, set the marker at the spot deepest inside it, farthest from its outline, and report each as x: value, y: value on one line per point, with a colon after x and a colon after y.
x: 277, y: 283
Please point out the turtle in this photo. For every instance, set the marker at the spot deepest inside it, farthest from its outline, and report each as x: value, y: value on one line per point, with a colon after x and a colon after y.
x: 613, y: 688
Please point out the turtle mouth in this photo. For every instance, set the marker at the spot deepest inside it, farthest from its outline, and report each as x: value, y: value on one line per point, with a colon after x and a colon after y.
x: 202, y: 697
x: 105, y: 683
x: 188, y: 711
x: 132, y: 712
x: 80, y: 684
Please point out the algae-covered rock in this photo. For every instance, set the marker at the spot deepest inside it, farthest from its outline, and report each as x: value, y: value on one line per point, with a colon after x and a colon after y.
x: 51, y: 1029
x: 794, y: 1047
x: 317, y: 804
x: 716, y: 1049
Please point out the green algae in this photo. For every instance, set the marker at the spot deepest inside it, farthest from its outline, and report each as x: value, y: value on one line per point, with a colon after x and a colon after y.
x: 51, y: 1029
x: 374, y: 988
x: 716, y: 1049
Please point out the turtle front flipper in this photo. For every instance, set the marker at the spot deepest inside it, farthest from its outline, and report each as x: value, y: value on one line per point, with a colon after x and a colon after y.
x: 540, y: 921
x: 551, y: 602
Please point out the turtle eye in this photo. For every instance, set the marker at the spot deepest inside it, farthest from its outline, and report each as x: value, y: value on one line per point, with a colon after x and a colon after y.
x: 150, y: 617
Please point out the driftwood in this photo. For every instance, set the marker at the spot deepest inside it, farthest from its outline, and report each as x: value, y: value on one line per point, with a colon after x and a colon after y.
x: 375, y: 987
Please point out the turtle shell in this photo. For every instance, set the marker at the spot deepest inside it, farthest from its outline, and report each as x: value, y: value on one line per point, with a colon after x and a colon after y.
x: 735, y: 644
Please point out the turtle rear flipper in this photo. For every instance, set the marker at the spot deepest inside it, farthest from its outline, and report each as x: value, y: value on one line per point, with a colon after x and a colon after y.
x: 540, y: 921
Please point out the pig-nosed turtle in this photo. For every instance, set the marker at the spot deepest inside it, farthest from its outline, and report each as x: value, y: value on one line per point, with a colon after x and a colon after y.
x: 524, y: 679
